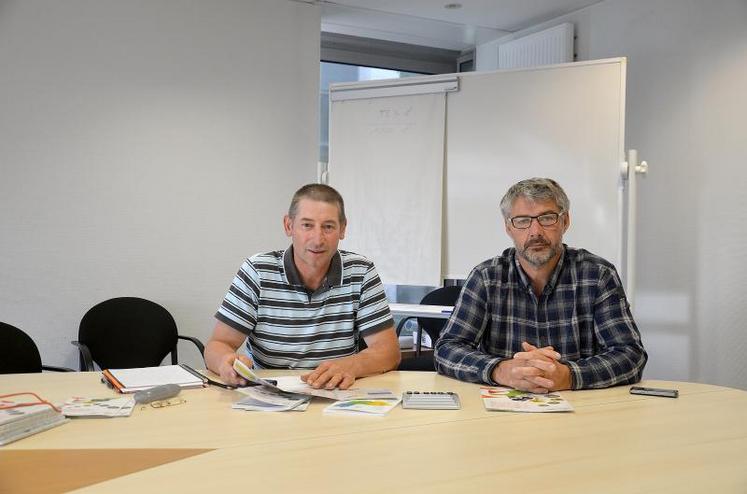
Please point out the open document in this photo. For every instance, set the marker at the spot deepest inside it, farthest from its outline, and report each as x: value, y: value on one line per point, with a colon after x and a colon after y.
x: 294, y: 384
x: 291, y: 393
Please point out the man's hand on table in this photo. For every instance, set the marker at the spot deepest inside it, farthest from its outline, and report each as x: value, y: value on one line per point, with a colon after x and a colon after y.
x: 339, y: 373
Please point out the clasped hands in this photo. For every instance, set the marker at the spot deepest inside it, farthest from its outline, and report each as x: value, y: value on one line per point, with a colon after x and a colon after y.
x: 537, y: 370
x: 339, y: 373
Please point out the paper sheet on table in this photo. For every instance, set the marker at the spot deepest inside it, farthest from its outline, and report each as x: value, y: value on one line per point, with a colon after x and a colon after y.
x: 98, y: 407
x: 294, y: 384
x: 259, y: 398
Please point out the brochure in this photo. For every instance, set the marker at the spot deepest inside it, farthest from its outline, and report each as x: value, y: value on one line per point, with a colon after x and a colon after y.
x: 98, y: 407
x: 247, y: 373
x: 512, y: 400
x: 261, y: 399
x: 363, y: 406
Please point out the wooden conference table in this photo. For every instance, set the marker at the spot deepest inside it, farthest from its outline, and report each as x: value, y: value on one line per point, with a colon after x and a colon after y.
x: 613, y: 442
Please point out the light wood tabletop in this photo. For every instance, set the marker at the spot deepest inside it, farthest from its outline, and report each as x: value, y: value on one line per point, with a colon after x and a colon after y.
x: 612, y: 442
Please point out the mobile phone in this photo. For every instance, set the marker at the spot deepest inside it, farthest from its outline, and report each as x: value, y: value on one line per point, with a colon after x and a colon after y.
x: 666, y: 393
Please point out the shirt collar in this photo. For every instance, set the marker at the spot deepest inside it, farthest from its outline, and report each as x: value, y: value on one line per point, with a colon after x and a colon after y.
x: 332, y: 278
x: 553, y: 278
x: 556, y: 272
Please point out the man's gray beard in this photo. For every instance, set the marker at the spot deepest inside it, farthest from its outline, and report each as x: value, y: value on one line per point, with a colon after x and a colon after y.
x: 539, y: 259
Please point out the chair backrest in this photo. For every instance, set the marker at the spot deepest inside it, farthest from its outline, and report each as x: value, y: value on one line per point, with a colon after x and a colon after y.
x: 18, y: 352
x: 446, y: 295
x: 128, y: 332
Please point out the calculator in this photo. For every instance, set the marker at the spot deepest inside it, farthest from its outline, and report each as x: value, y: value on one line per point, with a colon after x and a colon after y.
x: 431, y: 400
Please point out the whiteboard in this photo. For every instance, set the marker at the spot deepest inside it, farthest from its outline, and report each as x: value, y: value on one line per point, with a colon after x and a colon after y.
x: 564, y: 122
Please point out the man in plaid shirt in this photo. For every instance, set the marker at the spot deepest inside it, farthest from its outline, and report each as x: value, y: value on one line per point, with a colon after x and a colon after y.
x: 542, y: 316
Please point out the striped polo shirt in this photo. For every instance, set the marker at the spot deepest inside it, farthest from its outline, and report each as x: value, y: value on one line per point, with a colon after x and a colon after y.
x: 289, y: 326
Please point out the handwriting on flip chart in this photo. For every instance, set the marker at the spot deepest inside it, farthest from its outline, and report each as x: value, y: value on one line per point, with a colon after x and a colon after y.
x: 392, y: 119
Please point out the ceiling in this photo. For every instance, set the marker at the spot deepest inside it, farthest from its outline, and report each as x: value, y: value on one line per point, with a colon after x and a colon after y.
x: 429, y: 23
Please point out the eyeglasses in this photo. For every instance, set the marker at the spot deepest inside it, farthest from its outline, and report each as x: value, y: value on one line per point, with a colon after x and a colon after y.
x: 544, y: 219
x: 165, y: 403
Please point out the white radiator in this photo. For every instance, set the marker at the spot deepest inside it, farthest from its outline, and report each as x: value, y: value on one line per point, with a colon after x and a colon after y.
x: 554, y: 45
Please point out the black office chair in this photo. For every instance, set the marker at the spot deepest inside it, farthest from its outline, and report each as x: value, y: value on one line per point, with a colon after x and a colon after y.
x: 128, y: 332
x: 19, y: 353
x: 447, y: 295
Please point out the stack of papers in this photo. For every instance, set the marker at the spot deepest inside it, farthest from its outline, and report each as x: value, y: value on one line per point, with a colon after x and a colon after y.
x: 291, y: 393
x: 131, y: 380
x: 512, y: 400
x: 262, y: 399
x: 17, y: 423
x: 290, y: 384
x: 98, y: 407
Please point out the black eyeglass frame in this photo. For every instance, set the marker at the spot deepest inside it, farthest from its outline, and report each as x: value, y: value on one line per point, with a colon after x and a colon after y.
x: 532, y: 218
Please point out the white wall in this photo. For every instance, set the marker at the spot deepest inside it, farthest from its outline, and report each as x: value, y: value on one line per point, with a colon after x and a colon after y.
x: 146, y: 148
x: 686, y: 107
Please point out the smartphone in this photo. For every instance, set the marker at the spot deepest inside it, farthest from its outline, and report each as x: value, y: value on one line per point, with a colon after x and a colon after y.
x: 666, y: 393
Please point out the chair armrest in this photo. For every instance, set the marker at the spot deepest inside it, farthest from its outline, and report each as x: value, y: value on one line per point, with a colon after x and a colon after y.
x: 402, y: 324
x: 197, y: 343
x: 56, y: 369
x: 86, y: 361
x: 419, y: 363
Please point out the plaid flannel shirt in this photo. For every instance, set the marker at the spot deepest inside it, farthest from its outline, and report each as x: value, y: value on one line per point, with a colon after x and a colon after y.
x: 582, y: 312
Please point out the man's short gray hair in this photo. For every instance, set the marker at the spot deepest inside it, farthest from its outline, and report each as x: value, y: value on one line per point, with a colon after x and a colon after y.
x: 318, y: 192
x: 535, y: 189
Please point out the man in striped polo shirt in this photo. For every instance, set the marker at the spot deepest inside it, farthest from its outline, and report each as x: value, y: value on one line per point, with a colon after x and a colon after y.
x: 308, y: 306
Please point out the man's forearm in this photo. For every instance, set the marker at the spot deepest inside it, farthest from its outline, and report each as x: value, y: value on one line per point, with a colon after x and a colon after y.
x: 215, y: 352
x: 463, y: 362
x: 375, y: 361
x: 607, y: 369
x: 381, y: 354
